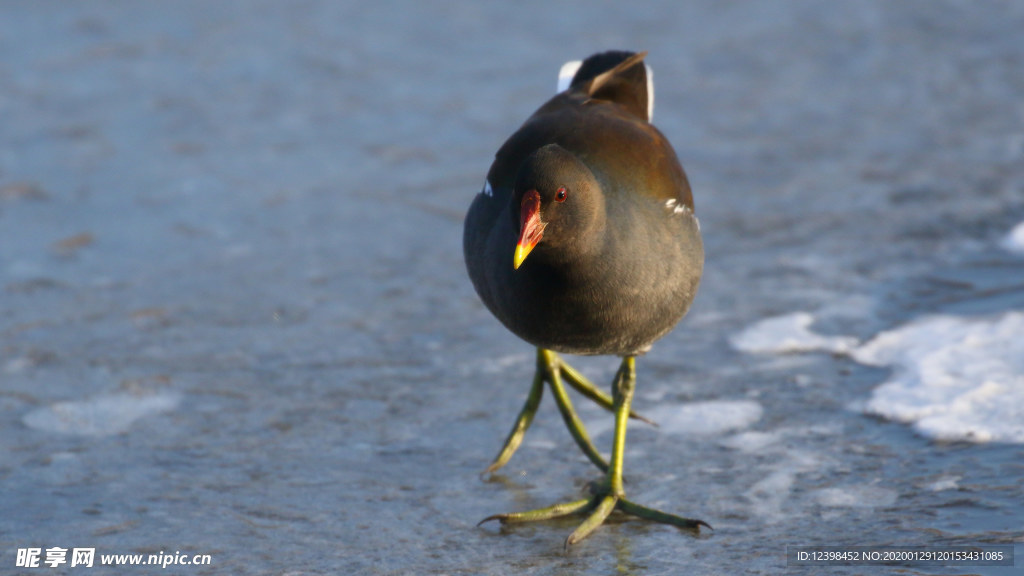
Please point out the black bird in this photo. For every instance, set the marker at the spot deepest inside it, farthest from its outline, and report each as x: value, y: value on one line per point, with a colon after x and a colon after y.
x: 584, y: 241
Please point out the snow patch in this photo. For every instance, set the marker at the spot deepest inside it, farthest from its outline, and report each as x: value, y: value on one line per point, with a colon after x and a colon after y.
x: 789, y: 333
x: 954, y: 378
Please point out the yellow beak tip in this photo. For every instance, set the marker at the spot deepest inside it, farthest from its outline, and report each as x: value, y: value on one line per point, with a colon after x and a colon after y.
x: 520, y: 255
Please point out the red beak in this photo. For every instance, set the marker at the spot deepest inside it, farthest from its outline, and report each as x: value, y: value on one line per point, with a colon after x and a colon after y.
x: 531, y: 229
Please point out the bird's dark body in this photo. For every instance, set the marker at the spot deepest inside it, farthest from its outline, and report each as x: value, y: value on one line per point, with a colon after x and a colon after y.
x: 620, y: 267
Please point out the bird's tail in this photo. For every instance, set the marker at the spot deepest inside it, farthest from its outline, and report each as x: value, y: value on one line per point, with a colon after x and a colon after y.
x: 614, y: 76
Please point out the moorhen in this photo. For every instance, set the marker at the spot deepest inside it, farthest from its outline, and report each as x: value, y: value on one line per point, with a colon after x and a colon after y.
x: 584, y: 240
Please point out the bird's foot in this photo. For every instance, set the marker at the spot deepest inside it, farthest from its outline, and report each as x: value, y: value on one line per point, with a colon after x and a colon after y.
x: 607, y: 495
x: 602, y: 502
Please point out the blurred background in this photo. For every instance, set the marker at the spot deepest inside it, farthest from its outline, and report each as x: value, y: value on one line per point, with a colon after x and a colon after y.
x: 235, y: 320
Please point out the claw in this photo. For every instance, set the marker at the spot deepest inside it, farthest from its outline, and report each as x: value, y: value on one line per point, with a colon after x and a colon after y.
x: 646, y: 513
x: 499, y: 517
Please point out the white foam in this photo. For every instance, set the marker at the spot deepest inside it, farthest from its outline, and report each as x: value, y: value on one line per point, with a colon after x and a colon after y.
x: 1014, y: 241
x: 100, y: 416
x: 954, y: 378
x: 789, y: 333
x: 706, y: 418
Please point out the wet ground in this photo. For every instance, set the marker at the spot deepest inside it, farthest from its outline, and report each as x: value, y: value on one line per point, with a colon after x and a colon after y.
x: 234, y: 318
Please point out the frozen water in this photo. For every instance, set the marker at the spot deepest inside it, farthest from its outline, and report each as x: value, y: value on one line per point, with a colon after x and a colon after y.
x: 1014, y: 241
x: 789, y: 333
x: 954, y: 378
x: 856, y: 496
x: 944, y: 483
x: 771, y: 496
x: 101, y: 416
x: 751, y: 441
x: 711, y: 418
x: 251, y: 213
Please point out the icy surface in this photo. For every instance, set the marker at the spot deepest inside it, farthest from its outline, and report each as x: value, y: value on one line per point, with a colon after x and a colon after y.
x: 100, y: 416
x: 253, y: 212
x: 789, y: 333
x: 1014, y: 241
x: 858, y: 496
x: 953, y: 378
x: 752, y: 441
x: 944, y: 483
x: 710, y: 418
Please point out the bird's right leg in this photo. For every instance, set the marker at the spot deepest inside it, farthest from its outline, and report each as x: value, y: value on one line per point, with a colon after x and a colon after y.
x: 515, y: 437
x: 586, y: 387
x: 549, y: 369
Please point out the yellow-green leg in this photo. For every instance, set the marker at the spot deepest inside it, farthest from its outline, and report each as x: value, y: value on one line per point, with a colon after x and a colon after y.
x: 609, y: 494
x: 580, y: 383
x: 552, y: 369
x: 515, y: 437
x: 549, y: 369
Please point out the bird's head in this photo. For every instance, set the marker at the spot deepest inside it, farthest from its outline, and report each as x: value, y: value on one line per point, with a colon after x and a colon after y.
x: 557, y: 202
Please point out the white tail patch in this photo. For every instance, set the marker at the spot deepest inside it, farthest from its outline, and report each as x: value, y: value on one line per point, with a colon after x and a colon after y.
x: 569, y: 69
x: 566, y: 73
x: 650, y: 92
x: 487, y: 190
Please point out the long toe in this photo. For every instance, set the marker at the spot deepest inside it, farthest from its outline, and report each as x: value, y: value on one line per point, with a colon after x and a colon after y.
x: 542, y: 513
x: 634, y: 509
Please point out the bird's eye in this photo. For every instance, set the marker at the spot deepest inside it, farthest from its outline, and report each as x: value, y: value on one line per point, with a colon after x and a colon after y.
x: 561, y: 194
